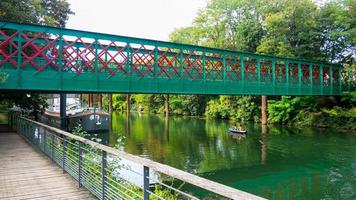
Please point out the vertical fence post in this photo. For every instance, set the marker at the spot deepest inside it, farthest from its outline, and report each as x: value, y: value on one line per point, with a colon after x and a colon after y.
x: 80, y: 152
x: 27, y: 131
x: 103, y: 175
x: 146, y: 183
x: 64, y: 153
x: 45, y: 141
x: 52, y: 146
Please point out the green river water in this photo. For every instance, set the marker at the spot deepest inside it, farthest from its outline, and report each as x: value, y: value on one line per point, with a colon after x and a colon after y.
x: 275, y: 163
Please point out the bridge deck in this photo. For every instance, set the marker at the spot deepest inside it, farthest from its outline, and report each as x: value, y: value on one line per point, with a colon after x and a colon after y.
x: 28, y: 174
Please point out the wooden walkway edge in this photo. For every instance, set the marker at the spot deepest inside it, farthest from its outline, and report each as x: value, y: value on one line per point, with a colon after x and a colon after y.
x: 28, y: 174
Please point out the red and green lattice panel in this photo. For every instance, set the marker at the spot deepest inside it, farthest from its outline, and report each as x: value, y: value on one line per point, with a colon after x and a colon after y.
x: 50, y: 59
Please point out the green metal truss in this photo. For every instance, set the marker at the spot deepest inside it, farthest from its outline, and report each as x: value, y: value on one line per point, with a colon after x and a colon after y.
x: 49, y: 59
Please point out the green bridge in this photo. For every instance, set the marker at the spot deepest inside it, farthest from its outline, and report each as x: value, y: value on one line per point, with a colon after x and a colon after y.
x: 49, y: 59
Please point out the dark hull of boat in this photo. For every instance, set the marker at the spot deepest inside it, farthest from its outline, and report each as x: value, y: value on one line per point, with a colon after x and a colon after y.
x: 231, y: 130
x: 90, y: 122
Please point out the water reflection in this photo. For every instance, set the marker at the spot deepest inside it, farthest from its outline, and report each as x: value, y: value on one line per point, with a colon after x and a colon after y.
x: 274, y: 162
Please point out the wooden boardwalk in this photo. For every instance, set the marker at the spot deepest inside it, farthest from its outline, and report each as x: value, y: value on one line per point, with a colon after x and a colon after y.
x: 28, y: 174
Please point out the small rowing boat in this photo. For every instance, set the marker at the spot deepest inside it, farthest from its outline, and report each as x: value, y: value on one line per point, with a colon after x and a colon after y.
x: 235, y: 130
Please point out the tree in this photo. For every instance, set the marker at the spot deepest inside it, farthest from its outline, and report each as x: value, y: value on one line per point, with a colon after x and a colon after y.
x: 336, y: 23
x: 291, y: 30
x: 55, y: 12
x: 46, y: 12
x: 227, y: 24
x: 288, y: 28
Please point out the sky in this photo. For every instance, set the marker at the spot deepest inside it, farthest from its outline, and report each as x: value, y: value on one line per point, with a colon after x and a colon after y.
x: 150, y: 19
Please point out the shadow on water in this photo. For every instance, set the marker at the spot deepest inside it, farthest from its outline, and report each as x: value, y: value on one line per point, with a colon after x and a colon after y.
x: 273, y: 162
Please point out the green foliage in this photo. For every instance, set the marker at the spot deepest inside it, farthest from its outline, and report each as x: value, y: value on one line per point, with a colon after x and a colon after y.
x: 55, y: 12
x: 348, y: 99
x: 48, y: 12
x: 32, y: 102
x: 238, y: 108
x: 119, y: 102
x: 313, y: 111
x: 219, y: 108
x: 78, y: 130
x: 282, y: 111
x: 193, y: 105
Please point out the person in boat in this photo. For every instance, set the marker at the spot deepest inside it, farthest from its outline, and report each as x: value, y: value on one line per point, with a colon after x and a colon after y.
x: 239, y: 127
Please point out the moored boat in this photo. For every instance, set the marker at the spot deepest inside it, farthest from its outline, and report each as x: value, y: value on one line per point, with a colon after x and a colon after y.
x: 90, y: 119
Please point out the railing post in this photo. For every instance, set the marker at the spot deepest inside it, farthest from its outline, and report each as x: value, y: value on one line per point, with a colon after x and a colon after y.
x: 64, y: 153
x: 80, y: 159
x: 45, y: 141
x: 27, y: 131
x: 103, y: 175
x: 52, y: 147
x: 146, y: 183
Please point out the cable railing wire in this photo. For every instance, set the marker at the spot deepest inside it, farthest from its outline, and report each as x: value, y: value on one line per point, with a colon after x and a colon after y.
x: 97, y: 167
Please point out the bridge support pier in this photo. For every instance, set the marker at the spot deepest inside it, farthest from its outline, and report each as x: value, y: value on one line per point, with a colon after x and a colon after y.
x: 264, y: 110
x: 100, y: 101
x: 263, y: 142
x: 128, y: 103
x: 167, y: 105
x: 90, y: 100
x: 110, y: 104
x: 62, y: 110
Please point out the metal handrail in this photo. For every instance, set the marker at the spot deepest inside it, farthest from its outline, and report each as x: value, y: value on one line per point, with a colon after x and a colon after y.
x: 41, y: 139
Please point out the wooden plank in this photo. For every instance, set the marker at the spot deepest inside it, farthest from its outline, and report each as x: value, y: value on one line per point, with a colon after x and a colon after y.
x: 28, y: 174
